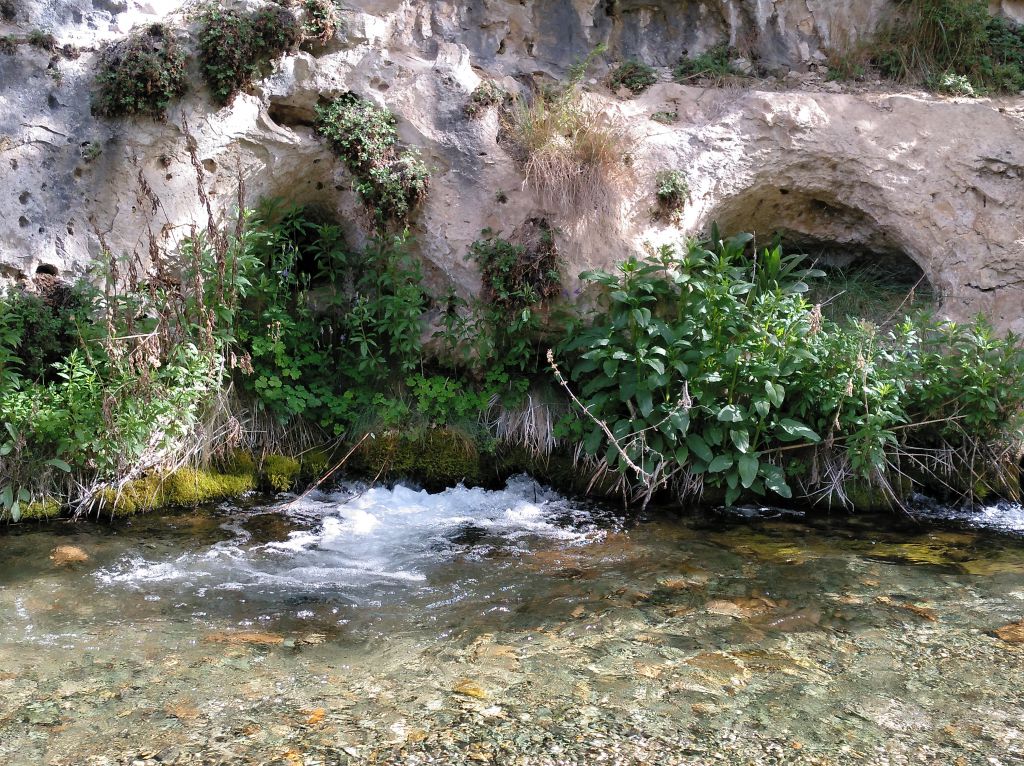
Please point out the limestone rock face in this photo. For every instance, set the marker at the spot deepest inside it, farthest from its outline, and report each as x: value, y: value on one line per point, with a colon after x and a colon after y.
x: 936, y: 180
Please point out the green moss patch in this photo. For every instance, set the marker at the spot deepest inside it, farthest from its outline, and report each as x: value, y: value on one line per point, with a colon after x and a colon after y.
x: 438, y: 458
x: 280, y: 473
x: 47, y: 508
x: 185, y: 487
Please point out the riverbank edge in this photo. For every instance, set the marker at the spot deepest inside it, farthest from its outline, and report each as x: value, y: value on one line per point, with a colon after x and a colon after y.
x: 435, y: 459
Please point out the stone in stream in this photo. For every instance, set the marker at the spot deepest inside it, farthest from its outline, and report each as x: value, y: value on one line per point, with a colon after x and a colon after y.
x: 740, y: 606
x: 66, y: 555
x: 1012, y: 633
x: 250, y: 637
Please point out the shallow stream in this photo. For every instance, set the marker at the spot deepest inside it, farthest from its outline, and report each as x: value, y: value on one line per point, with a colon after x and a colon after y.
x: 514, y: 627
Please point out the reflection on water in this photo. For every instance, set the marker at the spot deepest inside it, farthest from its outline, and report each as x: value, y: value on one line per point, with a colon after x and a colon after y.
x: 374, y: 625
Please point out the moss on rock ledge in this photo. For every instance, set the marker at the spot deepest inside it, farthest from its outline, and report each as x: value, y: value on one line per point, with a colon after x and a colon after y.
x: 185, y: 487
x: 439, y: 458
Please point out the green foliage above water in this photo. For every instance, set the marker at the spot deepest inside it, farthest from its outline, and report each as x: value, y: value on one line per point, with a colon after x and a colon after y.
x: 390, y: 182
x: 708, y: 367
x: 323, y: 325
x: 236, y: 48
x: 141, y: 74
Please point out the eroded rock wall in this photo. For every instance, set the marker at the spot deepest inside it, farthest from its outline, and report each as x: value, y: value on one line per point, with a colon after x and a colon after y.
x: 937, y: 180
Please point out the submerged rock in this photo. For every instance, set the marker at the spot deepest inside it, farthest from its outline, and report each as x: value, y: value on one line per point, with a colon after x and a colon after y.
x: 65, y: 555
x: 1012, y: 633
x: 246, y: 637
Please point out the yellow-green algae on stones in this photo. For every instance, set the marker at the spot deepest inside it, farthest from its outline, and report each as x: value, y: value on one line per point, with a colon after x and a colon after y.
x: 280, y: 472
x: 184, y: 487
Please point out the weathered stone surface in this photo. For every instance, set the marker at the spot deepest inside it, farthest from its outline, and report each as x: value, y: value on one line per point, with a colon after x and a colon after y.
x: 934, y: 179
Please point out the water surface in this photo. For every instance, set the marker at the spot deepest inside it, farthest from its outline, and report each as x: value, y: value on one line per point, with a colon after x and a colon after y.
x: 515, y: 627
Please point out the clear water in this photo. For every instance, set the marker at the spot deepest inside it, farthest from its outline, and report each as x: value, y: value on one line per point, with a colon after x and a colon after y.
x: 514, y: 627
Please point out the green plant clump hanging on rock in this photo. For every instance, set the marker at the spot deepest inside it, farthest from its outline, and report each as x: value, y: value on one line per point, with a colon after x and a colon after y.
x: 390, y: 182
x: 321, y: 24
x: 633, y: 75
x: 713, y: 63
x: 672, y: 190
x: 236, y: 49
x: 141, y: 74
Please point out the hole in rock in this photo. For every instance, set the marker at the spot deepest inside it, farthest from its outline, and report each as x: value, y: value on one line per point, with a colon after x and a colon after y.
x: 291, y: 116
x: 310, y: 235
x: 869, y: 271
x: 47, y: 268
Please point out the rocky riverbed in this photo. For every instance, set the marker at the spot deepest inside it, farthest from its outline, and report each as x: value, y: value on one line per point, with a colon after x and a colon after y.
x: 395, y: 627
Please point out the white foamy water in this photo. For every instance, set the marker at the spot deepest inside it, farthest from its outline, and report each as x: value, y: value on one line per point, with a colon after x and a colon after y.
x: 352, y: 539
x: 1002, y: 517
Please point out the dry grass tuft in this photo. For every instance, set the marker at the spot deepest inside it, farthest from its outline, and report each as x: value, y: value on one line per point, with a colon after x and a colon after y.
x: 572, y: 153
x: 574, y: 156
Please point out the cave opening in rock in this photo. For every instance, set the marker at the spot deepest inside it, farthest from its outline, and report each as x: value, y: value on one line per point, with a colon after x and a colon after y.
x: 870, y: 272
x: 862, y: 283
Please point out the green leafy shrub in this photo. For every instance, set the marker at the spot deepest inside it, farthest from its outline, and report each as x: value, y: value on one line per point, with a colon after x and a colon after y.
x: 709, y: 369
x: 633, y: 75
x: 520, y: 280
x: 391, y: 183
x: 43, y: 40
x: 141, y: 74
x: 484, y: 96
x: 323, y: 327
x: 8, y: 45
x: 665, y: 118
x: 713, y: 63
x: 236, y: 49
x: 514, y: 276
x: 321, y: 24
x: 672, y: 190
x: 41, y: 330
x: 951, y: 45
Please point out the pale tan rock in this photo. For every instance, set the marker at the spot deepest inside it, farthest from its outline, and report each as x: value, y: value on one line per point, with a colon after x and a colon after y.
x: 937, y: 180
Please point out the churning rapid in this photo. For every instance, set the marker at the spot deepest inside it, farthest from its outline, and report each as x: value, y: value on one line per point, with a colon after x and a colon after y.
x: 364, y: 544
